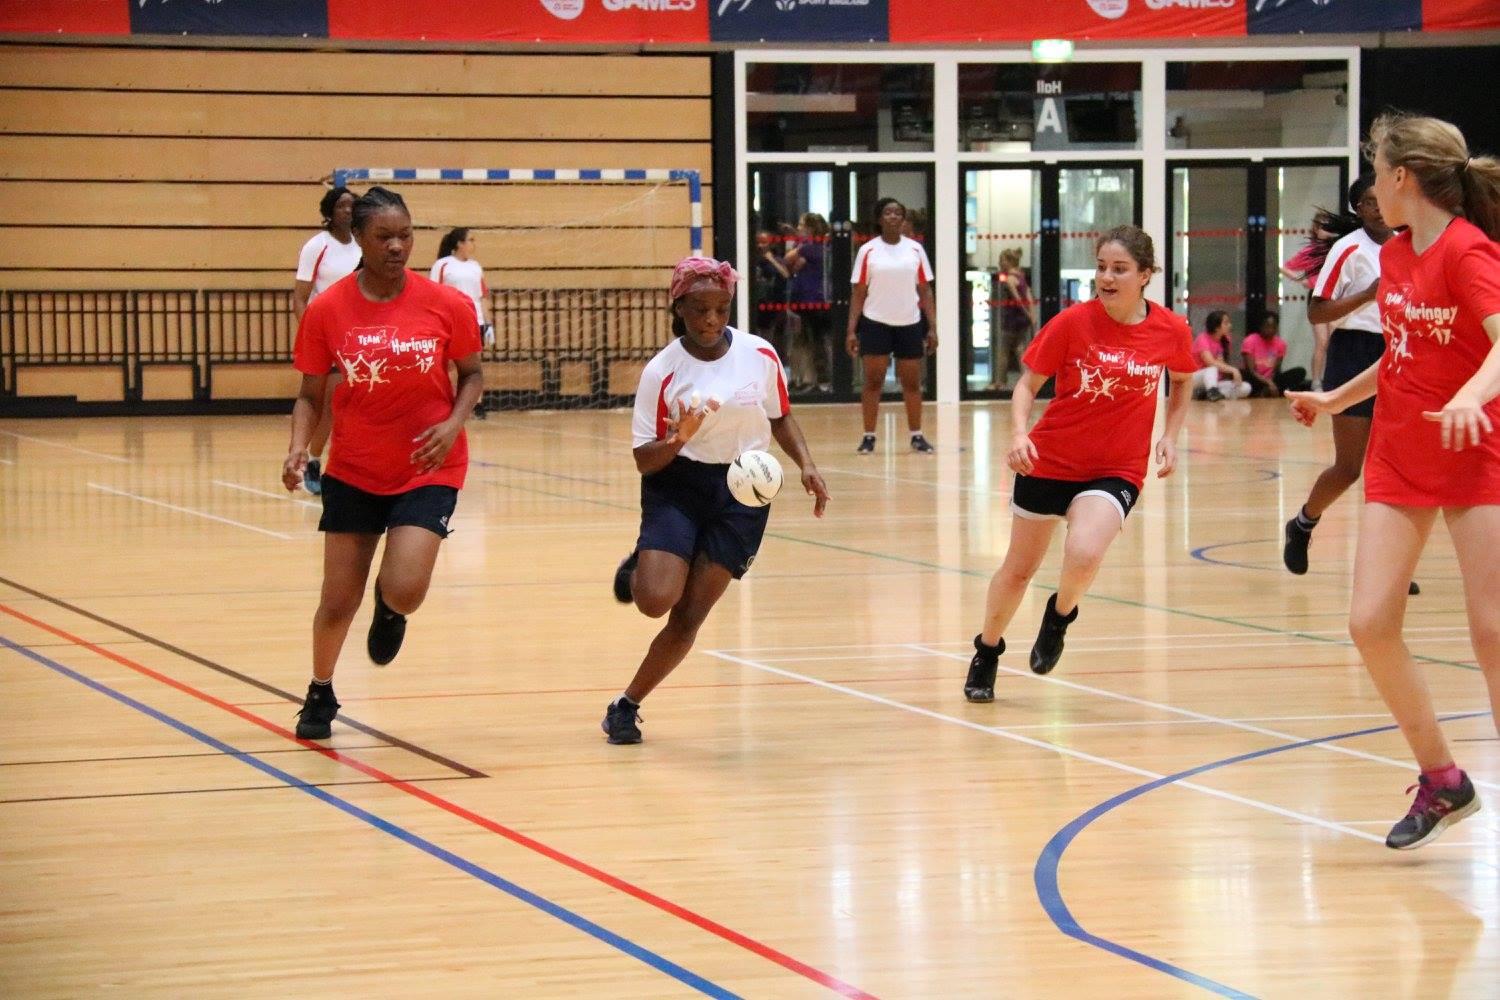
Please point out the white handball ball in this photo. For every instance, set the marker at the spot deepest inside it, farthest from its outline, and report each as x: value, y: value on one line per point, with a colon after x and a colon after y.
x: 755, y: 478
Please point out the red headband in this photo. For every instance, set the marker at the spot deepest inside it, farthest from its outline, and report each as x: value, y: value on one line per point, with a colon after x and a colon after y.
x: 694, y: 274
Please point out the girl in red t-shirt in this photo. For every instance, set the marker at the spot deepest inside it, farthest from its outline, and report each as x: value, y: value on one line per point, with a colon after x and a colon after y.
x: 1085, y: 460
x: 399, y: 454
x: 1433, y: 443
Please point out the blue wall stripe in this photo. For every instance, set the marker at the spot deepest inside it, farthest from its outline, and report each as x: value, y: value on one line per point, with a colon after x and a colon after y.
x: 567, y: 916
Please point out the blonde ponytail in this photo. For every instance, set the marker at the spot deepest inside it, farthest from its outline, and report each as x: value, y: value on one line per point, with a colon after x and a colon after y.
x: 1437, y: 155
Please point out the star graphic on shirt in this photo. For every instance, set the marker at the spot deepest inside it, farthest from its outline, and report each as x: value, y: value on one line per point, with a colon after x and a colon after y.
x: 1093, y: 382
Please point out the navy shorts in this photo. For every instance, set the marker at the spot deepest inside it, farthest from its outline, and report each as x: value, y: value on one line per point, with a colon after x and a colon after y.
x: 1350, y: 352
x: 879, y: 339
x: 687, y: 508
x: 350, y: 509
x: 1040, y: 498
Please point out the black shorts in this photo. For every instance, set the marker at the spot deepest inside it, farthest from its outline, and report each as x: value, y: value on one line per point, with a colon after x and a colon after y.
x: 1350, y: 352
x: 879, y: 339
x: 1039, y: 498
x: 350, y: 509
x: 687, y: 508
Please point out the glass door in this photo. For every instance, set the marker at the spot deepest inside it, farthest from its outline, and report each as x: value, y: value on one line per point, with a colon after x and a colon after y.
x: 1002, y: 267
x: 1233, y: 224
x: 1029, y: 234
x: 1208, y: 252
x: 806, y: 224
x: 1293, y: 192
x: 788, y: 275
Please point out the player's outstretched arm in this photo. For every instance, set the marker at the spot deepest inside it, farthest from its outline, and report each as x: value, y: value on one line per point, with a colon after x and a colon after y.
x: 1022, y: 455
x: 1177, y: 408
x: 1307, y: 405
x: 305, y: 413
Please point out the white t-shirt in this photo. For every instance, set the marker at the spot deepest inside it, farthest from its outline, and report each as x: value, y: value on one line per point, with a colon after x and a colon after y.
x: 325, y: 260
x: 747, y: 381
x: 1353, y: 264
x: 465, y: 275
x: 890, y: 271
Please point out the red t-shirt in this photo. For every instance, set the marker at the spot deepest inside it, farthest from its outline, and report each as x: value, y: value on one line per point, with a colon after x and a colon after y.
x: 1432, y: 308
x: 1107, y: 377
x: 394, y: 356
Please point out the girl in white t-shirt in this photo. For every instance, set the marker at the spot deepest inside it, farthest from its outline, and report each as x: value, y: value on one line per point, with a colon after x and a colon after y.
x: 892, y: 293
x: 457, y: 267
x: 706, y: 397
x: 330, y: 255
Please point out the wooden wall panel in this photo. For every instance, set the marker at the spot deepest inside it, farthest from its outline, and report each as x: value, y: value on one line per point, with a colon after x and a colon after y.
x: 103, y: 112
x: 126, y: 167
x: 304, y: 161
x: 189, y: 250
x: 350, y: 72
x: 295, y: 206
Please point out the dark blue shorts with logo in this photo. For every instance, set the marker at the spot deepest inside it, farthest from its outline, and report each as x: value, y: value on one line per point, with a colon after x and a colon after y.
x: 687, y: 508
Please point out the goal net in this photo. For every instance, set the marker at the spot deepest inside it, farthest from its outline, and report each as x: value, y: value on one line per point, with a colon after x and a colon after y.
x: 576, y: 263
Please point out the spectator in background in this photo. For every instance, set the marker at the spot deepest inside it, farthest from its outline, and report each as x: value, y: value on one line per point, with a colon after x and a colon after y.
x: 769, y: 279
x: 807, y: 298
x: 1216, y: 378
x: 1015, y: 317
x: 331, y: 254
x: 1263, y: 354
x: 457, y: 268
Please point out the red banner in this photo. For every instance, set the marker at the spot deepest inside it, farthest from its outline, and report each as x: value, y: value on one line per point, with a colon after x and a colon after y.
x: 966, y: 21
x: 635, y: 21
x: 65, y: 17
x: 1460, y: 15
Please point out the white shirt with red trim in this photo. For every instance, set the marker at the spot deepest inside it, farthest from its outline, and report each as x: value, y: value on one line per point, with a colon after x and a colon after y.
x: 465, y: 275
x: 325, y: 260
x: 747, y: 381
x: 890, y: 271
x: 1353, y: 264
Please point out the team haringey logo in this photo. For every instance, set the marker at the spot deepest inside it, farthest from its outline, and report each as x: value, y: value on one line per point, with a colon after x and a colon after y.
x: 372, y: 354
x: 1116, y: 372
x: 1403, y: 321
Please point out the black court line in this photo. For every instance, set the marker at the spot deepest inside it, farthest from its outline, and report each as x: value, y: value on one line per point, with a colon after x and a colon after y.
x: 178, y: 756
x: 231, y: 788
x: 254, y: 682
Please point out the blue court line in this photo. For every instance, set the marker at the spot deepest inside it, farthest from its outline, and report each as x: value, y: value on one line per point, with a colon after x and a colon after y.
x: 1045, y: 873
x: 1201, y: 553
x: 567, y: 916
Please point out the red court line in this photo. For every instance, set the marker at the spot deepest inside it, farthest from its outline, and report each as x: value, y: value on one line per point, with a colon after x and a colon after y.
x: 552, y: 854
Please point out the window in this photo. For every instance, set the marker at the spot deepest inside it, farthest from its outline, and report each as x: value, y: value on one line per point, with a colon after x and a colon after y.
x: 1018, y: 107
x: 856, y: 108
x: 1275, y: 105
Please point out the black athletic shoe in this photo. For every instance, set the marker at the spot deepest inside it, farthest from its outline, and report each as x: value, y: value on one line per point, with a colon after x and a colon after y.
x: 919, y: 443
x: 1433, y: 811
x: 622, y: 577
x: 1412, y: 589
x: 866, y: 445
x: 620, y: 720
x: 312, y: 477
x: 317, y: 713
x: 1049, y: 638
x: 1294, y: 552
x: 979, y: 686
x: 387, y: 630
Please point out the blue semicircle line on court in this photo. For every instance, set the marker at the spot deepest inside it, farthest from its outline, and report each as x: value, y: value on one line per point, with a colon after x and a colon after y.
x: 1047, y: 863
x: 577, y: 921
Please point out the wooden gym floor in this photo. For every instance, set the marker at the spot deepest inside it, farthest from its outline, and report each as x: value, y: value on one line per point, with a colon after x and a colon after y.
x: 1192, y: 804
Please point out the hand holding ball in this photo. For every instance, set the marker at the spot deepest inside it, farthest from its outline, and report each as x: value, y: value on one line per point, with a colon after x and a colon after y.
x: 755, y: 478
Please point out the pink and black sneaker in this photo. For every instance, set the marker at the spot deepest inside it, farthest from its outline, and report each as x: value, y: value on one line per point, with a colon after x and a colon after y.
x: 1432, y: 812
